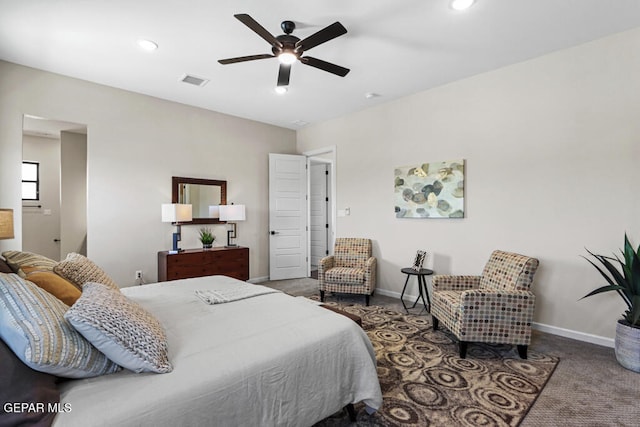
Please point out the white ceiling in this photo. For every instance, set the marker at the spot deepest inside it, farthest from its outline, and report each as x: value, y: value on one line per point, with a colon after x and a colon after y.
x: 393, y: 48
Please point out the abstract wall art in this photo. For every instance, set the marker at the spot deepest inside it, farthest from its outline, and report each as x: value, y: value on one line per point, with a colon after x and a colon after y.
x: 430, y: 190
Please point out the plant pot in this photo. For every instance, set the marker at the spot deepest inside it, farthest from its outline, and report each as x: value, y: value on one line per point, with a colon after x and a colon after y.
x: 207, y: 245
x: 627, y: 345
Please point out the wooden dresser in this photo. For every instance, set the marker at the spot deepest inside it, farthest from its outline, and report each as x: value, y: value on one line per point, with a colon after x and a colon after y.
x: 232, y: 262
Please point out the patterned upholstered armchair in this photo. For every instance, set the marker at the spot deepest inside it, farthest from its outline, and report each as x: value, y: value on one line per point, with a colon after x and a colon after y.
x: 496, y: 307
x: 351, y: 269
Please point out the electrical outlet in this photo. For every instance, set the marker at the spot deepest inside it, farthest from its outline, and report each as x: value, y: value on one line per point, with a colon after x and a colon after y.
x: 139, y: 274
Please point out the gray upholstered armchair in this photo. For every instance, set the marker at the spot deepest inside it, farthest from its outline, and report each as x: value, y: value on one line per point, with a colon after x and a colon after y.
x: 351, y: 269
x: 496, y: 307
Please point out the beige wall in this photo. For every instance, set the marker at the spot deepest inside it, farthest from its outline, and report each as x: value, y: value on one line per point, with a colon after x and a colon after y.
x: 135, y: 144
x: 552, y: 147
x: 73, y: 193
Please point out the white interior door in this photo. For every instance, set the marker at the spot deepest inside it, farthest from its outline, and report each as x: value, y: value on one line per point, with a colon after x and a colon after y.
x: 318, y: 203
x: 287, y: 216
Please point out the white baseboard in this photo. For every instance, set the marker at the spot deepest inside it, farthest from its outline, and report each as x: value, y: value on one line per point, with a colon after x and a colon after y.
x: 395, y: 295
x: 554, y: 330
x: 259, y: 279
x: 576, y: 335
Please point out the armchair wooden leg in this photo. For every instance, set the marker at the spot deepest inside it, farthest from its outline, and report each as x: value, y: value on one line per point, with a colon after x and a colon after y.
x: 463, y: 349
x: 352, y: 412
x: 522, y: 351
x: 321, y: 296
x: 366, y: 300
x: 434, y: 322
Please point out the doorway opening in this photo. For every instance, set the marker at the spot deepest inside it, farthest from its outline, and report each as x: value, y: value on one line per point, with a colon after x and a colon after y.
x: 54, y: 219
x: 321, y: 218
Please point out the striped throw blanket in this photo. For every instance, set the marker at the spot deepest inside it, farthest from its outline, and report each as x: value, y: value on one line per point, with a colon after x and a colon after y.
x: 234, y: 293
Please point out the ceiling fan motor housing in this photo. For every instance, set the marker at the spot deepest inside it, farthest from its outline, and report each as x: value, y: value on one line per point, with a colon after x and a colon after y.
x: 288, y: 45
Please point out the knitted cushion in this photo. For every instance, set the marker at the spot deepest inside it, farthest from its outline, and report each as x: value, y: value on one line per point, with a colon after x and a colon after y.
x: 79, y: 269
x: 32, y: 324
x: 120, y: 328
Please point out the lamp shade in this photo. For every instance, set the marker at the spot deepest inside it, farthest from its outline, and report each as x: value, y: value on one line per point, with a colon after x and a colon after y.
x: 176, y: 212
x: 214, y: 211
x: 6, y: 224
x: 232, y: 213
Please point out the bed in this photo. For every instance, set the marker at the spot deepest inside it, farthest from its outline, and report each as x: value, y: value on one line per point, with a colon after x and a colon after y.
x: 267, y: 360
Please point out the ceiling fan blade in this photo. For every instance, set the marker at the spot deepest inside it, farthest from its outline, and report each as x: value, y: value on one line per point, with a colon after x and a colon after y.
x: 325, y: 66
x: 258, y: 29
x: 283, y: 75
x: 331, y: 32
x: 244, y: 58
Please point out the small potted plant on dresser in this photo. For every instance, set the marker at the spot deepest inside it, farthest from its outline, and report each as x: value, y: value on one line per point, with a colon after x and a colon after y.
x: 206, y: 237
x: 626, y: 282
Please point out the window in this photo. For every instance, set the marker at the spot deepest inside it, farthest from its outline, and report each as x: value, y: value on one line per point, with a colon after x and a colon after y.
x: 30, y: 181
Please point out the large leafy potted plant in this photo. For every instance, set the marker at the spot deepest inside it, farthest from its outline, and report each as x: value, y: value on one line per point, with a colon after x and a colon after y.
x: 623, y: 277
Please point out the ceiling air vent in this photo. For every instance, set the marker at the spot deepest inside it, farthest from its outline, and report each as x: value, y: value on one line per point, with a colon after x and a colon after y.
x: 193, y: 80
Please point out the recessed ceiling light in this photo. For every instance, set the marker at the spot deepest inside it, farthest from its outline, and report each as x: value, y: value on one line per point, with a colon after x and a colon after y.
x: 281, y: 90
x: 370, y: 95
x: 147, y: 45
x: 461, y: 4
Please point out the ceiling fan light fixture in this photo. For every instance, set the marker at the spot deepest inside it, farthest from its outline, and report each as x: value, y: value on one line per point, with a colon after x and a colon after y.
x: 287, y: 57
x: 461, y: 4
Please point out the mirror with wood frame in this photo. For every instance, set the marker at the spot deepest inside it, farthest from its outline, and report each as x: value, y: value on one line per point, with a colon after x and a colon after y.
x: 203, y: 195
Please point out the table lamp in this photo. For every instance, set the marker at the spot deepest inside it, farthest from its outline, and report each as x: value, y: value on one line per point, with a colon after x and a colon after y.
x: 176, y: 213
x: 6, y: 224
x: 232, y: 213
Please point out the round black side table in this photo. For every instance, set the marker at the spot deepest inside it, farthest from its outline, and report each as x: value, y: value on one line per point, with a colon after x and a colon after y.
x: 422, y: 284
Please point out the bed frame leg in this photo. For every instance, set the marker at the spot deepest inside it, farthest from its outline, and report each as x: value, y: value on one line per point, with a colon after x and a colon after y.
x: 352, y: 412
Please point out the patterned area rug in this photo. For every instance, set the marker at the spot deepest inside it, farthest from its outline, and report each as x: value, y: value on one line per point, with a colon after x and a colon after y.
x: 424, y: 382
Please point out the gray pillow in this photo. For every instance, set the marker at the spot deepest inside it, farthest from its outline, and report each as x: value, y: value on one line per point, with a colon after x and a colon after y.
x: 120, y: 328
x: 32, y: 324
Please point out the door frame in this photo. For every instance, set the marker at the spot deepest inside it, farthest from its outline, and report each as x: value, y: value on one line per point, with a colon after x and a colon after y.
x: 323, y: 155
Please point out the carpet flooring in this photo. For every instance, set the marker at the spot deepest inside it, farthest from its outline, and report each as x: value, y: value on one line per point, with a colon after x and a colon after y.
x: 587, y: 388
x: 424, y: 382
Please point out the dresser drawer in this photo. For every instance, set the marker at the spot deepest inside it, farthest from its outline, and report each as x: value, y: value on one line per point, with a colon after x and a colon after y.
x: 233, y: 262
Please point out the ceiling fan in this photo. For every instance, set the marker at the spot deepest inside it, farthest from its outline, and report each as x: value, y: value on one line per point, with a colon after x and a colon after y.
x: 289, y: 48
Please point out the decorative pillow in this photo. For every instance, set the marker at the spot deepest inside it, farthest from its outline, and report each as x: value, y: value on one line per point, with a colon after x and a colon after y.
x: 120, y: 328
x: 4, y: 267
x: 21, y: 384
x: 56, y: 285
x: 79, y: 269
x: 19, y: 259
x: 32, y: 324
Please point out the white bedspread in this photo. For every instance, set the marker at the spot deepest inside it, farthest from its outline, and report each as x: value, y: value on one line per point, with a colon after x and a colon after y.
x: 270, y: 360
